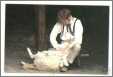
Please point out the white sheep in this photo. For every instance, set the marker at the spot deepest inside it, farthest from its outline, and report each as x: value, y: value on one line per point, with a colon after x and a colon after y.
x: 48, y: 60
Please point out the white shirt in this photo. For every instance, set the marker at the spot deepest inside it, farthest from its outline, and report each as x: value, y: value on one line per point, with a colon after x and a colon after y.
x: 78, y: 34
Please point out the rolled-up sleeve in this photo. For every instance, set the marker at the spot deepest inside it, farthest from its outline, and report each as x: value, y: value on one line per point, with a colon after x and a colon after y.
x: 53, y: 35
x: 78, y: 35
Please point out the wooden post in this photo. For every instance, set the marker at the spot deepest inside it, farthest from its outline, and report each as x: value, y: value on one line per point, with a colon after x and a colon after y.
x: 40, y: 31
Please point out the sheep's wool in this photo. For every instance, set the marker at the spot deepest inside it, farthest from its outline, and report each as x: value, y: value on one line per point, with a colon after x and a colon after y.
x: 51, y: 59
x: 48, y: 60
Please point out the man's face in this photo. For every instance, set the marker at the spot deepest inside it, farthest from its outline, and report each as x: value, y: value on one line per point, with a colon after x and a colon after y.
x: 66, y: 21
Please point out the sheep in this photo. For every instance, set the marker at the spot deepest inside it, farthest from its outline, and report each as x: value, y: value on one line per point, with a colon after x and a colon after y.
x: 49, y: 59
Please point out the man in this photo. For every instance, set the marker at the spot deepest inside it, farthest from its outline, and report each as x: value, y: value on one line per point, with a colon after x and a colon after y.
x: 70, y: 30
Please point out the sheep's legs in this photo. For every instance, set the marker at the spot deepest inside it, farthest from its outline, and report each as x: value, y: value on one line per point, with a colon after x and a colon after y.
x: 27, y: 66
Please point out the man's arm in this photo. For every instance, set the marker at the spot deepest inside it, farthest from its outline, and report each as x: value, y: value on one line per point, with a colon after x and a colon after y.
x: 78, y: 35
x: 53, y: 35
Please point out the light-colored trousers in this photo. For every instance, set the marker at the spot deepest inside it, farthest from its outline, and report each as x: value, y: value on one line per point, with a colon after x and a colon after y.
x: 74, y: 50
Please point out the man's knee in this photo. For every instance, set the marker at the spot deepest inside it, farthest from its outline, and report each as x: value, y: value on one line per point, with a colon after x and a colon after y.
x: 77, y: 46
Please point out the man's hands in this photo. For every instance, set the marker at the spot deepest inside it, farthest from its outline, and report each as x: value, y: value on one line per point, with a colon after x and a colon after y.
x: 63, y: 47
x: 60, y: 49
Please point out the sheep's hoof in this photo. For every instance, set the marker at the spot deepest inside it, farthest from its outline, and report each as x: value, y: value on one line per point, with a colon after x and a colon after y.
x: 63, y: 69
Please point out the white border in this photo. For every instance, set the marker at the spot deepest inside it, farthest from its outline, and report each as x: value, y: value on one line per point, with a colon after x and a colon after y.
x: 106, y: 3
x: 91, y: 3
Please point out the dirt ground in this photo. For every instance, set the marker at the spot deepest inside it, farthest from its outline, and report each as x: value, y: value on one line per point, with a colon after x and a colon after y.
x: 15, y: 51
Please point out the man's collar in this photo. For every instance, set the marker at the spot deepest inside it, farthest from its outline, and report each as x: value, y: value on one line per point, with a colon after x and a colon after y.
x: 72, y: 20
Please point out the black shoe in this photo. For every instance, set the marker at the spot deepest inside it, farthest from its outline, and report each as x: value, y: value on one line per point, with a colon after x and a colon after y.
x: 64, y: 69
x: 75, y: 64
